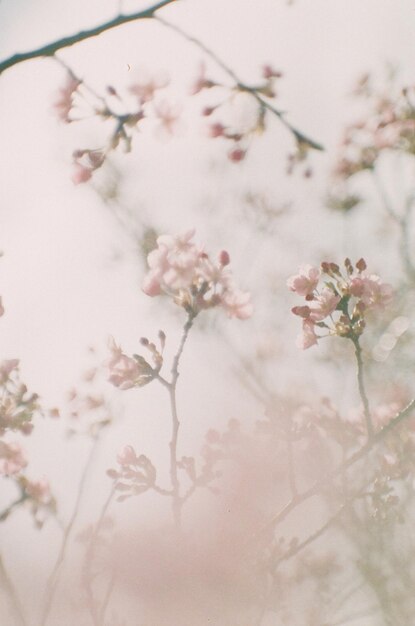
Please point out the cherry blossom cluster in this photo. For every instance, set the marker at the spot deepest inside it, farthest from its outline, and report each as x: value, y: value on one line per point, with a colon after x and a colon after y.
x: 341, y: 303
x: 126, y: 112
x: 182, y: 270
x: 238, y: 139
x: 136, y: 474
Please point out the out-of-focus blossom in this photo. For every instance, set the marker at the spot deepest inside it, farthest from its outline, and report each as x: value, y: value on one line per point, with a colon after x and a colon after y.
x: 136, y: 474
x: 39, y: 491
x: 64, y: 102
x: 12, y: 459
x: 168, y: 116
x: 6, y: 368
x: 145, y: 87
x: 85, y: 164
x: 372, y: 291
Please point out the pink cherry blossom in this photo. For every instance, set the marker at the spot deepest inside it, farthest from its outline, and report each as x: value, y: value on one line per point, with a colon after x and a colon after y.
x: 305, y: 281
x: 371, y: 290
x: 237, y: 304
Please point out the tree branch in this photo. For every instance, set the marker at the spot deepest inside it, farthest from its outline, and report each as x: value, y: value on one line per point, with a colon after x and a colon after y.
x: 49, y: 49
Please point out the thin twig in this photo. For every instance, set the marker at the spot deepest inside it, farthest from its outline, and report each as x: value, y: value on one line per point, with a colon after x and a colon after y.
x: 299, y: 136
x: 10, y: 588
x: 95, y: 614
x: 362, y: 389
x: 54, y: 577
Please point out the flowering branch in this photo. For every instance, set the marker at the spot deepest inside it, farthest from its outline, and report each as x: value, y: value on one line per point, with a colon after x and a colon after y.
x: 302, y: 139
x: 50, y: 49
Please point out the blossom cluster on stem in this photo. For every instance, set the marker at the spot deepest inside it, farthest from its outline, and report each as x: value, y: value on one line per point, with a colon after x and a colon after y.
x: 183, y: 271
x: 341, y: 304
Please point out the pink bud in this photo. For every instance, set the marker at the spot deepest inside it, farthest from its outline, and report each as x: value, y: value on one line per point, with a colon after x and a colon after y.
x: 236, y: 155
x: 224, y: 258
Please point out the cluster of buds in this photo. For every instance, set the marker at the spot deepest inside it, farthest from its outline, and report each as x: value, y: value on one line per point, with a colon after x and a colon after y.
x: 182, y: 270
x: 126, y: 116
x: 341, y: 305
x: 238, y: 139
x: 136, y: 474
x: 126, y: 372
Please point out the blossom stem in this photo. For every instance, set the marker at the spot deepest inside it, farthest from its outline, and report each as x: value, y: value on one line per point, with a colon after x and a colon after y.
x: 10, y: 588
x: 362, y: 389
x: 54, y: 577
x: 176, y: 497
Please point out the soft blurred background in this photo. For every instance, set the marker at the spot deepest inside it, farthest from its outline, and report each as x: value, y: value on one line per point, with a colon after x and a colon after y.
x: 74, y: 256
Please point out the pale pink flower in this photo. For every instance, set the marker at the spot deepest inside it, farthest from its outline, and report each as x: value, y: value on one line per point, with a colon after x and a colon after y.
x: 168, y: 116
x: 1, y: 308
x: 12, y: 459
x: 151, y: 284
x: 323, y: 305
x: 305, y: 281
x: 308, y: 337
x: 371, y: 290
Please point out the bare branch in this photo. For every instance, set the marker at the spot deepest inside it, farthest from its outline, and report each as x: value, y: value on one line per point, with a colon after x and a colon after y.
x: 49, y: 49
